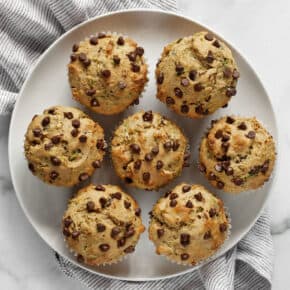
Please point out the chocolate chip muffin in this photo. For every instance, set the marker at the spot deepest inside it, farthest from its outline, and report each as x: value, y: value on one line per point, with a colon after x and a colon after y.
x: 64, y: 146
x: 107, y: 73
x: 188, y: 224
x: 102, y: 224
x: 237, y: 154
x: 148, y: 150
x: 196, y: 75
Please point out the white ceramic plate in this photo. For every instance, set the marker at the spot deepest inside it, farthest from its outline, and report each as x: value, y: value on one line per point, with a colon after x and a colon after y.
x: 47, y: 85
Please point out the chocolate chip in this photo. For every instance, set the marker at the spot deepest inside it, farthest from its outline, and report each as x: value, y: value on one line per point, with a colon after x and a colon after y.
x: 212, y: 176
x: 189, y: 204
x: 209, y: 58
x: 121, y: 242
x: 184, y: 109
x: 74, y: 132
x: 115, y: 231
x: 159, y: 164
x: 167, y: 145
x: 242, y: 126
x: 94, y: 40
x: 139, y: 50
x: 135, y: 67
x: 229, y: 171
x: 132, y: 56
x: 207, y: 235
x: 83, y: 138
x: 129, y: 233
x: 225, y: 146
x: 184, y: 239
x: 137, y: 164
x: 216, y: 44
x: 146, y: 176
x: 127, y: 204
x: 218, y: 134
x: 227, y: 72
x: 225, y: 138
x: 173, y: 203
x: 45, y: 121
x: 212, y: 212
x: 148, y: 157
x: 265, y: 166
x: 100, y: 187
x: 55, y: 139
x: 179, y: 69
x: 101, y: 227
x: 120, y: 40
x: 86, y: 62
x: 178, y: 92
x: 135, y: 148
x: 83, y: 176
x: 101, y: 35
x: 236, y: 74
x: 138, y: 211
x: 116, y: 59
x: 209, y: 36
x: 96, y: 164
x: 198, y: 87
x: 75, y: 47
x: 184, y: 256
x: 117, y: 195
x: 148, y: 116
x: 76, y: 123
x: 128, y: 180
x: 192, y: 74
x: 80, y: 258
x: 160, y: 233
x: 82, y: 57
x: 53, y: 175
x: 220, y: 185
x: 75, y: 234
x: 198, y: 196
x: 173, y: 195
x: 237, y: 181
x: 170, y: 101
x: 231, y: 91
x: 129, y: 250
x: 223, y: 227
x: 55, y: 161
x: 122, y: 85
x: 94, y: 103
x: 101, y: 144
x: 186, y: 188
x: 73, y: 57
x: 201, y: 168
x: 155, y: 150
x: 37, y: 132
x: 106, y: 73
x: 90, y: 92
x: 175, y: 145
x: 68, y: 115
x: 230, y: 120
x: 160, y: 78
x: 31, y: 167
x: 251, y: 135
x: 184, y: 82
x: 104, y: 247
x: 66, y: 232
x: 90, y: 206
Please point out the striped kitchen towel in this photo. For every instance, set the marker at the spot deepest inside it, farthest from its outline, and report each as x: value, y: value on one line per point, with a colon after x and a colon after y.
x: 27, y: 28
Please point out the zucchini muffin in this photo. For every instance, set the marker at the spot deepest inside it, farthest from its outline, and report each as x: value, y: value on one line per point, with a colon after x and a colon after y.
x: 237, y: 154
x: 64, y: 146
x: 148, y: 150
x: 102, y: 224
x: 107, y: 73
x: 188, y: 224
x: 196, y: 75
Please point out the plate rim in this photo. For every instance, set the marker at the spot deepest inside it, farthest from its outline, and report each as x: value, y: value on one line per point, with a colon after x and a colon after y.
x: 114, y: 13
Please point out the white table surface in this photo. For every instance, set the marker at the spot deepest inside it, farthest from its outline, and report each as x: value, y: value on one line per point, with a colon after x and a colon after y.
x: 260, y: 29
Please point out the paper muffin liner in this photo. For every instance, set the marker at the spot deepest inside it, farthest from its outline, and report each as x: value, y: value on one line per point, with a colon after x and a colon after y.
x: 118, y: 34
x: 210, y: 258
x: 249, y: 191
x: 187, y: 150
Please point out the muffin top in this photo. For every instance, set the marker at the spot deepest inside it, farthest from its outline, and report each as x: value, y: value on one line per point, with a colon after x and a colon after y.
x: 64, y: 146
x: 237, y: 154
x: 102, y: 224
x: 188, y: 224
x: 148, y: 150
x: 196, y: 75
x: 107, y: 73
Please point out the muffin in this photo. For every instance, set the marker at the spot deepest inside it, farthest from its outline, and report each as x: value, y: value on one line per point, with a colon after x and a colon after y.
x: 102, y: 224
x: 196, y: 75
x: 63, y: 146
x: 188, y: 224
x: 107, y: 73
x: 148, y: 150
x: 237, y: 154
